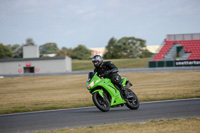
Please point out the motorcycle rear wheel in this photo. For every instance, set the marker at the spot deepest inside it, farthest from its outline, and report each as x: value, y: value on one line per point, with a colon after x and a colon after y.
x: 100, y: 102
x: 132, y: 103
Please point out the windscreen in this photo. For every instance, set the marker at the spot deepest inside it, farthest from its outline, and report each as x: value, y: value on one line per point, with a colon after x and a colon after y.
x: 90, y: 75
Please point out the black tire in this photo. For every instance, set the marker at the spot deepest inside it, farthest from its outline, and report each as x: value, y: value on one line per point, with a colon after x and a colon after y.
x: 101, y: 103
x: 132, y: 103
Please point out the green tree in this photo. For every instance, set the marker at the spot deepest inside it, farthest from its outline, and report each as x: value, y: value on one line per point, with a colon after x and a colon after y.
x: 5, y: 52
x: 29, y: 42
x: 15, y: 47
x: 111, y: 49
x: 18, y: 52
x: 146, y: 53
x: 69, y: 51
x: 81, y: 53
x: 18, y: 49
x: 61, y: 53
x: 126, y: 47
x: 49, y: 48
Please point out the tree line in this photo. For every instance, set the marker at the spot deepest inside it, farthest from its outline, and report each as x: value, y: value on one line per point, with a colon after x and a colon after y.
x: 126, y: 47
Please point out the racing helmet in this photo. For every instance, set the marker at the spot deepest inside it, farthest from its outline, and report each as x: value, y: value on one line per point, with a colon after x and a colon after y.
x: 97, y: 58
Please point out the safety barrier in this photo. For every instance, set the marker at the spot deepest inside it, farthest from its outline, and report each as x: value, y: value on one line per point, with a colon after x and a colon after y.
x: 175, y: 63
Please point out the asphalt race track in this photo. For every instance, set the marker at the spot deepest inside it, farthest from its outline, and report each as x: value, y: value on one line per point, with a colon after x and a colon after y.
x: 132, y: 70
x: 90, y: 116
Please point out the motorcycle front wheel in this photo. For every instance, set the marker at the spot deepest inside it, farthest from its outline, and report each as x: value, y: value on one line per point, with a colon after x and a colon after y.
x: 100, y: 102
x: 133, y: 102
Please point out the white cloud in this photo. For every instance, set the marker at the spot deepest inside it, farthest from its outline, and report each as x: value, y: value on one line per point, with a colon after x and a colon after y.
x: 88, y: 13
x: 96, y: 20
x: 34, y: 6
x: 85, y: 10
x: 187, y: 10
x: 2, y: 16
x: 113, y: 3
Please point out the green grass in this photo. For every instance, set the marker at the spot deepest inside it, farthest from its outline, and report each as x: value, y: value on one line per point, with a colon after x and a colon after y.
x: 160, y: 126
x: 83, y: 65
x: 22, y: 94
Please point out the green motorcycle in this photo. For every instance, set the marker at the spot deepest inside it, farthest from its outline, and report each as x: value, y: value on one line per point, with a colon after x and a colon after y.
x: 105, y: 94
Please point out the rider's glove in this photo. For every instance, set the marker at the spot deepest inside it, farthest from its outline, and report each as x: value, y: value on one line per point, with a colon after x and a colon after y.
x: 101, y: 75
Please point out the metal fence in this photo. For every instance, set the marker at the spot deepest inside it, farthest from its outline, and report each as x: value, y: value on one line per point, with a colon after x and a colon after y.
x: 173, y: 37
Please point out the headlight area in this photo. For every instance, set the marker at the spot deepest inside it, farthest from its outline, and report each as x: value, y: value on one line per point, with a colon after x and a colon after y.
x: 90, y: 85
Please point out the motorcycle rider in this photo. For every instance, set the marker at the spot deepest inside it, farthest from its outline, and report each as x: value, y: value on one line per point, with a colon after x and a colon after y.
x: 108, y: 70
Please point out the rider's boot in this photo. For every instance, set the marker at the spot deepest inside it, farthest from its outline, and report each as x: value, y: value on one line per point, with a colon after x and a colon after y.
x: 124, y: 90
x: 126, y: 93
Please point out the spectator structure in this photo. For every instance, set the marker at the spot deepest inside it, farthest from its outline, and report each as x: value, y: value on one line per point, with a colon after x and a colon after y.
x: 178, y: 50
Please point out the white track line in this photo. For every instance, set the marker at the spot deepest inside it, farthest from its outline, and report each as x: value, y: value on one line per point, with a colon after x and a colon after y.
x: 162, y: 101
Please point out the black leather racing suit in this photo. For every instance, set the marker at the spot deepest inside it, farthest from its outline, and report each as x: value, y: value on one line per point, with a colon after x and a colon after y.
x: 109, y: 70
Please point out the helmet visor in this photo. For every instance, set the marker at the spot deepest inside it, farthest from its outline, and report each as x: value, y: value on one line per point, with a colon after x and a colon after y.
x: 95, y: 63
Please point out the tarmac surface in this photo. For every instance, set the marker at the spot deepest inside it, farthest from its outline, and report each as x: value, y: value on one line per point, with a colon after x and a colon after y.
x: 91, y: 116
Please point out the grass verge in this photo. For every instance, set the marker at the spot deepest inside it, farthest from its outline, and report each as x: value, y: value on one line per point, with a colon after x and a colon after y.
x: 161, y: 126
x: 22, y: 94
x: 83, y: 65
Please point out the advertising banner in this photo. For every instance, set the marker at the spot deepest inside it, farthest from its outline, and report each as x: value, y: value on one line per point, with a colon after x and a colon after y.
x: 187, y: 63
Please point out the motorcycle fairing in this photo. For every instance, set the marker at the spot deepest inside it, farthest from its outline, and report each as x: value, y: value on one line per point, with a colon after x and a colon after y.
x: 106, y: 83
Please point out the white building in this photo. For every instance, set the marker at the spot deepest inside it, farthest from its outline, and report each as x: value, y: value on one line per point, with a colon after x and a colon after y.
x: 31, y: 63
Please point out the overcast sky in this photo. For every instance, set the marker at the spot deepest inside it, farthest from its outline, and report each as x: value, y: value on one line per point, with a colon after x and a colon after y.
x: 93, y: 22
